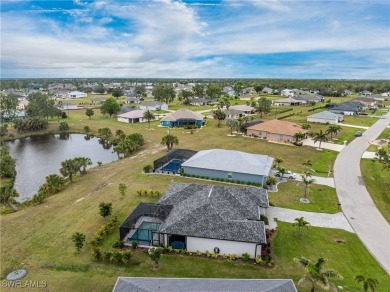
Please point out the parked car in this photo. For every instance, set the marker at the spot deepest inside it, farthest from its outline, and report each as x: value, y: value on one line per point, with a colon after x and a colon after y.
x: 289, y: 174
x: 383, y: 117
x: 358, y: 134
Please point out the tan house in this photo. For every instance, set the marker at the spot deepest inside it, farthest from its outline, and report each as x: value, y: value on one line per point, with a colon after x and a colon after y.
x: 276, y: 130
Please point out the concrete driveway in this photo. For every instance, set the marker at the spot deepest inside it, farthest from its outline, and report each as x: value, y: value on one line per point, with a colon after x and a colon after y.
x: 357, y: 205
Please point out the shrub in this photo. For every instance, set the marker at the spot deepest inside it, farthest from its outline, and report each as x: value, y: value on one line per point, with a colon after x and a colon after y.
x: 87, y: 129
x: 198, y: 252
x: 258, y: 260
x: 126, y: 255
x: 232, y: 256
x: 134, y: 244
x: 148, y: 168
x: 264, y: 218
x: 214, y: 255
x: 245, y: 256
x: 97, y: 253
x: 118, y: 244
x: 64, y: 115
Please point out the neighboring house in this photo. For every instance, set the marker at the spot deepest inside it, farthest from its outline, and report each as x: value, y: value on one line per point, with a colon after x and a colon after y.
x: 267, y: 90
x: 346, y: 92
x: 131, y: 117
x: 200, y: 101
x: 153, y: 106
x: 367, y: 101
x: 287, y: 101
x: 380, y: 97
x: 309, y: 98
x: 229, y: 164
x: 287, y: 92
x: 314, y: 91
x: 124, y: 284
x: 201, y: 217
x: 126, y: 109
x: 386, y: 94
x: 245, y: 109
x: 298, y: 91
x: 365, y: 93
x: 347, y: 108
x: 182, y: 117
x: 67, y: 106
x: 5, y: 118
x: 276, y: 130
x: 76, y: 94
x: 325, y: 117
x: 134, y: 100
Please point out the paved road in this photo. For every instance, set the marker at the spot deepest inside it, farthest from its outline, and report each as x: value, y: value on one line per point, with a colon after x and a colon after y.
x: 361, y: 212
x: 315, y: 219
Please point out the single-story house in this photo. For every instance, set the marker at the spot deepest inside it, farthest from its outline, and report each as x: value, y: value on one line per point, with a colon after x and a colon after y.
x: 309, y: 98
x: 182, y: 117
x: 287, y: 101
x: 67, y: 106
x: 287, y: 92
x: 229, y: 164
x: 153, y: 106
x: 276, y: 130
x: 368, y: 101
x: 5, y: 118
x: 76, y: 94
x: 125, y: 284
x: 223, y: 219
x: 325, y: 117
x: 135, y: 116
x: 23, y: 103
x: 245, y: 109
x: 348, y: 108
x: 267, y: 90
x: 380, y: 97
x: 132, y: 100
x: 200, y: 101
x: 365, y: 93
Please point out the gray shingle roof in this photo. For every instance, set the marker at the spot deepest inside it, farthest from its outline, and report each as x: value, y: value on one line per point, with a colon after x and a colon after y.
x: 198, y: 284
x: 230, y: 160
x: 218, y: 212
x: 325, y: 115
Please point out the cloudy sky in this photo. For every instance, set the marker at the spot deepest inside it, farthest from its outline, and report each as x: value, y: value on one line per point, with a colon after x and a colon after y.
x: 196, y: 39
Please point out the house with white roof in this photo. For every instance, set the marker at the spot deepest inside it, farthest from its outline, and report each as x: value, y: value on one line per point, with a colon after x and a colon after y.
x: 325, y: 117
x: 135, y: 116
x: 229, y: 164
x: 76, y: 94
x: 153, y: 106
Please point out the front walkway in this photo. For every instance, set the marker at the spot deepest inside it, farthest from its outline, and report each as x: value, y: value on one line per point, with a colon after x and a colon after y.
x: 326, y: 181
x: 337, y: 220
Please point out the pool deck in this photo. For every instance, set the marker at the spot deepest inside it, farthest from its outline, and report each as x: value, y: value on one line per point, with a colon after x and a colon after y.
x: 138, y: 224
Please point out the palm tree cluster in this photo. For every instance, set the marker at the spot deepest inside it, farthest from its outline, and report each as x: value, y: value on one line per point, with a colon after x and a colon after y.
x: 31, y: 124
x: 70, y: 167
x: 323, y: 136
x: 169, y: 140
x: 127, y: 145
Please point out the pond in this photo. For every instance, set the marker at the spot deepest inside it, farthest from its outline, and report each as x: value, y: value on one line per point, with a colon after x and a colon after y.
x: 38, y: 156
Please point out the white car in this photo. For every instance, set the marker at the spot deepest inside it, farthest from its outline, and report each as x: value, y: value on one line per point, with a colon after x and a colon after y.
x: 383, y: 117
x: 289, y: 174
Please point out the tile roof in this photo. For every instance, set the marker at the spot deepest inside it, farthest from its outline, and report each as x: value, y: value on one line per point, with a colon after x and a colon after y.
x: 183, y: 114
x: 219, y: 212
x: 278, y: 127
x: 231, y: 160
x: 124, y: 284
x: 243, y: 107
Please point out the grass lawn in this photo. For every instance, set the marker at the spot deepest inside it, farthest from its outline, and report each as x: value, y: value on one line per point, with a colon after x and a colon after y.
x: 365, y: 121
x: 323, y: 199
x: 378, y: 185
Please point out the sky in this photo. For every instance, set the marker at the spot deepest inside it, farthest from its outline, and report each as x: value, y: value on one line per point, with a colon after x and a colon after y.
x: 195, y: 39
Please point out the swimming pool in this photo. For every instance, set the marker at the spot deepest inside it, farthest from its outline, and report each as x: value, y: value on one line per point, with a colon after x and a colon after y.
x: 144, y: 233
x: 173, y: 166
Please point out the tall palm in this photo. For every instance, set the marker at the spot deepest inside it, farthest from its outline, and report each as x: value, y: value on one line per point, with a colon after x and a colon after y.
x: 320, y: 137
x: 300, y: 222
x: 281, y: 171
x: 279, y: 160
x: 307, y: 181
x: 316, y: 275
x: 169, y: 140
x: 368, y: 283
x: 149, y: 116
x: 333, y: 129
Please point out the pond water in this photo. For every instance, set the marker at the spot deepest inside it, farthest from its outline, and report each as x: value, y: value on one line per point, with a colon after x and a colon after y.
x: 38, y: 156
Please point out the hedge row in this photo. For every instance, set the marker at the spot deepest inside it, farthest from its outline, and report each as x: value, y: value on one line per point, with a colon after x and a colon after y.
x: 104, y: 231
x: 286, y: 116
x: 241, y: 182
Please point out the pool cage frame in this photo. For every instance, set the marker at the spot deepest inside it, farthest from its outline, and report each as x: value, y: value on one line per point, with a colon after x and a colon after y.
x: 180, y: 154
x: 159, y: 211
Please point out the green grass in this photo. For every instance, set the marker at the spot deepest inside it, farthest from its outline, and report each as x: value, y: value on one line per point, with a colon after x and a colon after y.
x: 365, y: 121
x: 385, y: 134
x: 378, y: 185
x: 323, y: 199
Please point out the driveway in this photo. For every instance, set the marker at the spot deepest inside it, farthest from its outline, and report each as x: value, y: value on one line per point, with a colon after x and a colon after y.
x: 324, y: 145
x: 315, y: 219
x: 358, y: 207
x: 326, y: 181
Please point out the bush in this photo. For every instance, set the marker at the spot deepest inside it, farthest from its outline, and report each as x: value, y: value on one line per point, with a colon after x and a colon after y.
x: 134, y: 244
x: 245, y: 256
x: 118, y: 244
x: 232, y: 256
x: 148, y: 168
x: 64, y: 115
x: 264, y: 218
x: 87, y: 129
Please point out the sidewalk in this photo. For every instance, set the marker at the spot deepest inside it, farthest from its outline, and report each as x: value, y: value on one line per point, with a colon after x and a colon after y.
x: 337, y: 220
x: 324, y: 145
x: 353, y: 126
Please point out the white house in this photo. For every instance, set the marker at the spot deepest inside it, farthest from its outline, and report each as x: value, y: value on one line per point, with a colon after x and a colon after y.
x: 203, y: 217
x: 135, y: 116
x: 287, y: 92
x: 76, y: 94
x: 153, y: 106
x: 325, y: 117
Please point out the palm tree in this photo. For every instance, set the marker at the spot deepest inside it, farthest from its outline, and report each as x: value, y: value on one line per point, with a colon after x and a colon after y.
x: 333, y: 130
x: 298, y: 136
x: 279, y: 160
x: 320, y: 137
x: 149, y: 116
x: 232, y: 124
x: 281, y: 171
x: 368, y: 283
x: 220, y: 116
x: 316, y: 275
x: 300, y: 222
x: 169, y: 140
x: 307, y: 182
